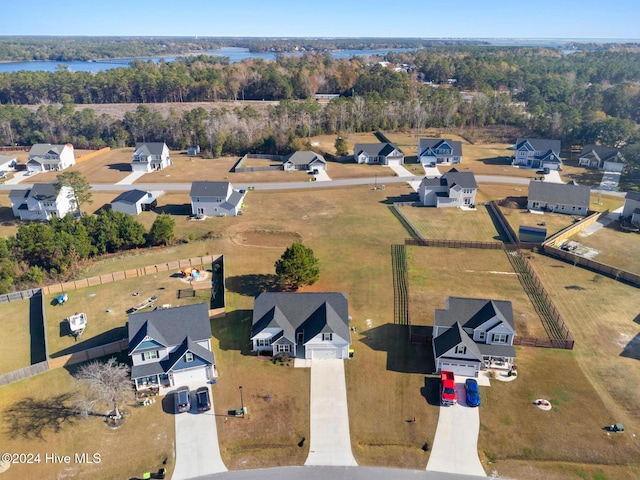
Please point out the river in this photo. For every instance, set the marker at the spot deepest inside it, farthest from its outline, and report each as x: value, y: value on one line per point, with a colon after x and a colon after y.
x: 233, y: 53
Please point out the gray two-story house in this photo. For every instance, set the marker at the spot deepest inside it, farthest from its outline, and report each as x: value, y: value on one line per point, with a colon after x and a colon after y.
x: 215, y: 199
x: 568, y: 198
x: 171, y: 347
x: 437, y: 151
x: 453, y: 189
x: 537, y: 153
x: 150, y: 156
x: 44, y: 157
x: 472, y: 334
x: 42, y: 202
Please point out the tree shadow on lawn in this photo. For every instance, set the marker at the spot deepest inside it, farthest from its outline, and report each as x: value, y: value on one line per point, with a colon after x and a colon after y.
x: 402, y: 356
x: 252, y: 285
x: 233, y: 331
x: 31, y: 418
x: 109, y: 336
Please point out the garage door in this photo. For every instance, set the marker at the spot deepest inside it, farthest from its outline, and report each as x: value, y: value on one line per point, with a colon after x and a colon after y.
x: 184, y: 377
x: 459, y: 369
x: 324, y: 353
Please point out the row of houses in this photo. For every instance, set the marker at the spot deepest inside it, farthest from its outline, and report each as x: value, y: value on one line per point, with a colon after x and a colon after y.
x: 170, y: 347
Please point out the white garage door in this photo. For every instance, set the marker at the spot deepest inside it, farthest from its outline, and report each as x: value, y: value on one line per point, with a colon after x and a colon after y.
x: 394, y: 162
x: 324, y: 353
x: 184, y: 377
x: 459, y: 369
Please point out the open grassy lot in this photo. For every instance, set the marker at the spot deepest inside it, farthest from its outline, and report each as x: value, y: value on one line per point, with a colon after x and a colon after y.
x: 617, y: 248
x: 438, y: 273
x: 37, y: 419
x: 525, y: 442
x: 453, y: 223
x: 553, y: 222
x: 106, y: 308
x: 15, y: 341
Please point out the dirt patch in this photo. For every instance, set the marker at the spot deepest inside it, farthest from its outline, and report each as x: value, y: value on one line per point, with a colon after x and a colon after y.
x: 266, y: 238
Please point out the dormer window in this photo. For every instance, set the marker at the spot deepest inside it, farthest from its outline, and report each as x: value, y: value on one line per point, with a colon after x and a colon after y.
x: 461, y: 350
x: 327, y: 337
x: 149, y: 355
x: 188, y: 357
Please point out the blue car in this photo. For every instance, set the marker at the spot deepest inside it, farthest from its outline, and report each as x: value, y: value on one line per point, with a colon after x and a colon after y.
x: 473, y: 394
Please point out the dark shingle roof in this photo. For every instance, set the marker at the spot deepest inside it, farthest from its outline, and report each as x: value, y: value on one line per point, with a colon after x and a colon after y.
x: 130, y: 197
x: 630, y: 195
x: 540, y: 144
x: 315, y: 312
x: 170, y: 326
x: 473, y: 312
x: 452, y: 337
x: 456, y: 146
x: 40, y: 149
x: 559, y: 193
x: 150, y: 148
x: 305, y: 157
x: 187, y: 345
x: 464, y: 179
x: 600, y: 152
x: 209, y: 189
x: 39, y: 191
x: 376, y: 149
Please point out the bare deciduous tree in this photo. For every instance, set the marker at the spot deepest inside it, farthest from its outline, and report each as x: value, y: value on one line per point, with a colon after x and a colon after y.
x: 107, y: 382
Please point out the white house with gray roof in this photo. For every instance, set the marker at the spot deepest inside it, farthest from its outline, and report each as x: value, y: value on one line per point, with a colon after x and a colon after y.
x: 171, y: 347
x: 150, y: 156
x: 215, y: 199
x: 44, y: 157
x: 42, y: 201
x: 439, y: 151
x: 8, y: 163
x: 601, y: 157
x: 453, y: 189
x: 631, y: 209
x: 378, y: 153
x: 304, y: 160
x: 537, y: 153
x: 471, y: 334
x: 133, y: 202
x: 312, y: 325
x: 569, y: 198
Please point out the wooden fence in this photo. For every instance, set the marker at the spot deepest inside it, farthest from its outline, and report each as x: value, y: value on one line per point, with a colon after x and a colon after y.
x: 23, y: 373
x: 93, y: 154
x: 575, y: 228
x: 504, y: 223
x: 432, y: 242
x: 21, y: 295
x: 543, y: 342
x: 88, y: 354
x: 239, y: 167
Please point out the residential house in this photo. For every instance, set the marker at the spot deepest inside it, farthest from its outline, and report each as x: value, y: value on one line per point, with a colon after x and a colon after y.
x: 171, y: 346
x: 436, y: 151
x: 150, y: 156
x: 569, y: 198
x: 302, y: 325
x: 305, y: 160
x: 471, y: 334
x: 538, y: 153
x: 380, y: 153
x: 216, y: 199
x: 133, y: 202
x: 453, y: 189
x: 193, y: 150
x: 42, y: 201
x: 7, y: 163
x: 603, y: 158
x: 44, y: 157
x: 631, y: 209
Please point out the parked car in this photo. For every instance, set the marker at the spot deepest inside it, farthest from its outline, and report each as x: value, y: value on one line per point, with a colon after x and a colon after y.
x: 473, y: 393
x: 202, y: 399
x: 182, y: 399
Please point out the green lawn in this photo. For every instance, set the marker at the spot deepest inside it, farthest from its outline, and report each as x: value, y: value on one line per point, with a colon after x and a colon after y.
x: 15, y: 341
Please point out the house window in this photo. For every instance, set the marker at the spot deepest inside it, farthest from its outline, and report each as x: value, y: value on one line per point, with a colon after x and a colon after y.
x: 300, y: 338
x: 263, y: 342
x: 284, y: 348
x: 188, y: 357
x: 482, y: 336
x: 461, y: 349
x: 327, y: 337
x: 149, y: 355
x: 499, y: 338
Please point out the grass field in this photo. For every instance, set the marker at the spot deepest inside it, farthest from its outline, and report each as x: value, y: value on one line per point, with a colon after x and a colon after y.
x: 41, y: 422
x: 617, y: 248
x: 452, y: 223
x: 15, y: 341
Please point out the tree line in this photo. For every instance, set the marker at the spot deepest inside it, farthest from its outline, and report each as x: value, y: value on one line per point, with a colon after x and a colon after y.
x: 58, y: 249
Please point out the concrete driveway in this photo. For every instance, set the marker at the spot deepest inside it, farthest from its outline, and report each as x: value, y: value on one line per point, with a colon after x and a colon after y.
x: 455, y: 447
x: 401, y: 171
x: 330, y: 442
x: 197, y: 448
x: 553, y: 177
x: 610, y: 181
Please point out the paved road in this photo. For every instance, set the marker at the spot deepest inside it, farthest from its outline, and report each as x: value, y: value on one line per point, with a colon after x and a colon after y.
x: 197, y: 447
x: 336, y: 473
x: 455, y: 446
x: 330, y: 442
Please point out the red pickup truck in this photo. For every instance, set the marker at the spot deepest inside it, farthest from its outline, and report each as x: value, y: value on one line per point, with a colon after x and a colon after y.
x: 447, y: 388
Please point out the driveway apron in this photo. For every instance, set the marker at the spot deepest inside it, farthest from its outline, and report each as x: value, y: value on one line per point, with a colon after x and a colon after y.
x: 197, y: 448
x: 330, y: 443
x: 455, y: 447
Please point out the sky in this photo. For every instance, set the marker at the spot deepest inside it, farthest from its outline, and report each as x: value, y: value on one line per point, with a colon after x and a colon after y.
x: 573, y: 19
